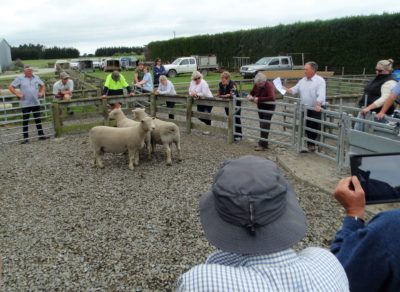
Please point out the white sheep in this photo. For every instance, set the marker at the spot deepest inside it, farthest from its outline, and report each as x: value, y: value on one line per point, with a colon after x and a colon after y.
x: 165, y: 134
x: 118, y: 140
x: 122, y: 122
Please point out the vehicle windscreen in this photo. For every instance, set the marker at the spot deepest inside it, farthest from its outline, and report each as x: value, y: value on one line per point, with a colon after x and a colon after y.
x: 263, y: 61
x: 177, y: 61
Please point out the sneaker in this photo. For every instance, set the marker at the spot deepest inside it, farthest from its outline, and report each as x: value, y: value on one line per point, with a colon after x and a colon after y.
x: 43, y: 138
x: 206, y: 133
x: 260, y: 148
x: 26, y: 141
x: 237, y: 138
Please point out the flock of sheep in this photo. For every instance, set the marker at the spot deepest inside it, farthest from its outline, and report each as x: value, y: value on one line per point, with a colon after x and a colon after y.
x: 131, y: 136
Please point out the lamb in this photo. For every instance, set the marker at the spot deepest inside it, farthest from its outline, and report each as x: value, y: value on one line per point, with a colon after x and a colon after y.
x: 165, y: 134
x: 122, y: 122
x: 118, y: 140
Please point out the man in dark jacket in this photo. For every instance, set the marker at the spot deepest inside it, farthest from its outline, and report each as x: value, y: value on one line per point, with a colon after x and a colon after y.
x: 369, y: 253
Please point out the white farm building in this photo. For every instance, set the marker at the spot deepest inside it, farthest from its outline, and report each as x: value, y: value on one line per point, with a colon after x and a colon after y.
x: 5, y: 54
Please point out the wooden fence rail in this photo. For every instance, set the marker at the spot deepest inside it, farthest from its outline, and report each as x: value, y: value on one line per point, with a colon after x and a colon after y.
x: 156, y: 104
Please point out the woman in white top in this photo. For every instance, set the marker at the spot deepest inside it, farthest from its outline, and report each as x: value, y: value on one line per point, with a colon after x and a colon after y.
x: 166, y: 87
x: 199, y: 89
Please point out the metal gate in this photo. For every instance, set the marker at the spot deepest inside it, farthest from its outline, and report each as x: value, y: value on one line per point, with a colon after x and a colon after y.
x: 11, y: 120
x: 336, y: 139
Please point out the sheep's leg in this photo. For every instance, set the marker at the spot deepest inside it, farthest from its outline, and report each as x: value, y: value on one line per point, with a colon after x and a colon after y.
x: 136, y: 158
x: 178, y: 148
x: 168, y: 152
x: 97, y: 158
x: 131, y: 155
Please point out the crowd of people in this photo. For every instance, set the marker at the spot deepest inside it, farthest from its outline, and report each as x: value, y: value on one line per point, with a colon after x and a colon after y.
x: 252, y: 214
x: 379, y: 96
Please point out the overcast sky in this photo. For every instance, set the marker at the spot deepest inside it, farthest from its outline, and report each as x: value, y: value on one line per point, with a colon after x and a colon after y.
x: 90, y: 24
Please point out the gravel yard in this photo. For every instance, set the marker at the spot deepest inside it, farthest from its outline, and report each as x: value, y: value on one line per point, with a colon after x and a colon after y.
x: 65, y: 226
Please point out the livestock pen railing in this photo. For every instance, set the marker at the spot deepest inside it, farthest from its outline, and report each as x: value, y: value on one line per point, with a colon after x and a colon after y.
x: 336, y: 137
x: 11, y: 119
x: 184, y: 111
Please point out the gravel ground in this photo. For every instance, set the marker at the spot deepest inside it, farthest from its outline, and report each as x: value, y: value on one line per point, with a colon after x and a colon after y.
x: 65, y: 226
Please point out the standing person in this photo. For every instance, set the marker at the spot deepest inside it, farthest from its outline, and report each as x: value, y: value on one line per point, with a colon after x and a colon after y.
x: 114, y: 85
x: 199, y: 89
x: 263, y: 91
x: 369, y: 253
x: 389, y: 103
x: 252, y: 215
x: 139, y: 73
x: 63, y: 89
x: 166, y: 87
x: 312, y: 91
x: 227, y: 90
x: 31, y: 89
x: 158, y: 70
x: 146, y: 84
x: 377, y: 91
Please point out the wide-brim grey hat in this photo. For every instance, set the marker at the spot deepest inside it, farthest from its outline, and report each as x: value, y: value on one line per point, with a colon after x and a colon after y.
x: 251, y: 209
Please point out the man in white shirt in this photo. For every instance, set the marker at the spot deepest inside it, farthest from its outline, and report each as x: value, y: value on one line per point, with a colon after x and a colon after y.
x: 312, y: 91
x: 63, y: 89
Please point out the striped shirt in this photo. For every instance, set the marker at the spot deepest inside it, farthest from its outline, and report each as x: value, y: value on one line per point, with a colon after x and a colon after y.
x: 313, y: 269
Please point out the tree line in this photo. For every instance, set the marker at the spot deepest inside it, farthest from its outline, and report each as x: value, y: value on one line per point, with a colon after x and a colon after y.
x: 112, y: 51
x: 353, y: 42
x: 35, y: 52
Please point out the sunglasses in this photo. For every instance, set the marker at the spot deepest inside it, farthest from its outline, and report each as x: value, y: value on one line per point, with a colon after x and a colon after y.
x: 196, y: 78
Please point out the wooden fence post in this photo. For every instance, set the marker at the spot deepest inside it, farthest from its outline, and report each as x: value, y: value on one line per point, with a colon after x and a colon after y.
x: 153, y: 105
x: 189, y: 105
x: 229, y: 120
x: 57, y: 122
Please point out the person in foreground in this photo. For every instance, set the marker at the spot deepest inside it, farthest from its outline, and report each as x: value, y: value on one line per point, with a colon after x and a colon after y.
x: 370, y: 253
x: 253, y: 217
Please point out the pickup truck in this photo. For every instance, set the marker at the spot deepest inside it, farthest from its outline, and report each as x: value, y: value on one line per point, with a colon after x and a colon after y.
x: 190, y: 64
x: 267, y: 64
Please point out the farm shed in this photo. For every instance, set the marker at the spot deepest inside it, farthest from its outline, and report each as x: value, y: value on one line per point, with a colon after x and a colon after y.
x: 5, y: 54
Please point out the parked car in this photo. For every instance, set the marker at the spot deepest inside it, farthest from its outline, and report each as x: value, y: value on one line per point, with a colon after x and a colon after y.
x: 190, y: 64
x: 61, y: 65
x: 85, y: 66
x: 267, y: 64
x: 74, y: 63
x: 128, y: 63
x: 112, y: 65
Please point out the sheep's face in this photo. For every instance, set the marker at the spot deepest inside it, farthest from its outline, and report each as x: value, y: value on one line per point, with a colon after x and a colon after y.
x: 148, y: 123
x: 139, y: 113
x: 113, y: 114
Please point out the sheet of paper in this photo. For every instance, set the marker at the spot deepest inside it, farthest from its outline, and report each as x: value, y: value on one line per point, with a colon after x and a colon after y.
x: 278, y: 85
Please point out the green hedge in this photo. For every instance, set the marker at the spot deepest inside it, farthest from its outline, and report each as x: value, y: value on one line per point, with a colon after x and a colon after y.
x: 353, y: 42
